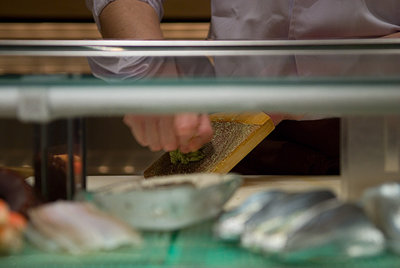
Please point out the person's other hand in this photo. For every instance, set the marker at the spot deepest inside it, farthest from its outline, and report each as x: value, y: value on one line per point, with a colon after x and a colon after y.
x: 187, y: 132
x: 277, y: 118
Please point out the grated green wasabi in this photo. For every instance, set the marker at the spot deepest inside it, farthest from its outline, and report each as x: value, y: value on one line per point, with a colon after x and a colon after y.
x: 179, y: 157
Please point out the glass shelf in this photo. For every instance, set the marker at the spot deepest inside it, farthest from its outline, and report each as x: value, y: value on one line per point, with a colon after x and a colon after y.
x: 325, y: 77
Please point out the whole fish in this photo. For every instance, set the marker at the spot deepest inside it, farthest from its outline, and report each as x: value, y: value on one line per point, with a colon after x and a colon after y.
x: 334, y: 229
x: 276, y: 214
x: 231, y: 224
x: 382, y: 205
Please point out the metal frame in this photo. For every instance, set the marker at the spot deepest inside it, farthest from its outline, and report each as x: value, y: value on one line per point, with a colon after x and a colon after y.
x: 176, y: 48
x: 337, y: 98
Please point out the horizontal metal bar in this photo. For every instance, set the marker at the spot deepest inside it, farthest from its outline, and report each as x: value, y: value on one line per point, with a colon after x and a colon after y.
x: 119, y: 48
x: 321, y: 99
x: 204, y: 43
x: 197, y: 53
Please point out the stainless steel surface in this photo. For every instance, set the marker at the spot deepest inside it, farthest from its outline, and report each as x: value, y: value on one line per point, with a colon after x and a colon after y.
x: 367, y: 152
x: 164, y: 48
x: 9, y: 97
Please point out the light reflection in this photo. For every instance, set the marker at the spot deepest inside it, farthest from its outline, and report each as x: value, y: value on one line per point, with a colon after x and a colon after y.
x: 103, y: 169
x: 129, y: 169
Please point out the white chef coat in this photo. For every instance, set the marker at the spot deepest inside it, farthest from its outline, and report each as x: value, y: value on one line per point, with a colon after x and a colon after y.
x: 283, y: 20
x: 293, y: 19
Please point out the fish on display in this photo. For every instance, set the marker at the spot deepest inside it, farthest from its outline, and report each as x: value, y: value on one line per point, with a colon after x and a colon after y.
x: 231, y: 224
x: 382, y: 205
x: 76, y: 228
x: 334, y: 229
x: 273, y: 218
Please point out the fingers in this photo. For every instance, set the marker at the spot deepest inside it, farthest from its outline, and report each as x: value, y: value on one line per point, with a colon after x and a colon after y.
x: 204, y: 134
x: 144, y: 129
x: 168, y: 139
x: 153, y: 134
x: 186, y: 126
x: 137, y: 127
x: 187, y: 132
x: 277, y: 118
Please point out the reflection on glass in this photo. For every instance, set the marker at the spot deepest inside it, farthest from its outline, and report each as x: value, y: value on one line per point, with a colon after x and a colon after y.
x: 279, y: 66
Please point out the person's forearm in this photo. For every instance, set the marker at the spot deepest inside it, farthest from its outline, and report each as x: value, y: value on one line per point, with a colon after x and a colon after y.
x: 130, y: 19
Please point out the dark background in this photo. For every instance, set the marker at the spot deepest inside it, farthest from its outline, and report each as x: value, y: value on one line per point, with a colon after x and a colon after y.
x: 75, y: 10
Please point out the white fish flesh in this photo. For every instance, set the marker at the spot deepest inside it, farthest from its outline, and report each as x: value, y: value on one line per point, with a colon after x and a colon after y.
x: 77, y: 227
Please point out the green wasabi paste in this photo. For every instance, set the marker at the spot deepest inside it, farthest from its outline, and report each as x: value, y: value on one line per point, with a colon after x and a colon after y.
x: 179, y: 157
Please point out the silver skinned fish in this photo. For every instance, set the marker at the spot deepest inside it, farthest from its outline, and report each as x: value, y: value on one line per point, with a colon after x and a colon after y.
x: 276, y: 215
x: 333, y: 229
x: 382, y: 205
x: 231, y: 224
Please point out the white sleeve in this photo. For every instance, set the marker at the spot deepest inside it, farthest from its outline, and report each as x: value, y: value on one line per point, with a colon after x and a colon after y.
x: 121, y: 68
x: 124, y: 67
x: 111, y: 68
x: 97, y: 6
x: 134, y: 68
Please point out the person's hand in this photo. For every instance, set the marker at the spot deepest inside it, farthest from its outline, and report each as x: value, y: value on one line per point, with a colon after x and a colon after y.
x: 277, y: 118
x: 187, y: 132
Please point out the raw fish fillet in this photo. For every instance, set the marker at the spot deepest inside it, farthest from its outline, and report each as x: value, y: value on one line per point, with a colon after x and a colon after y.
x: 77, y: 227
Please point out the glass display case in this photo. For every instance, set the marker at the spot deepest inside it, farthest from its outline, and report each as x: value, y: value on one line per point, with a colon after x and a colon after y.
x: 358, y: 81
